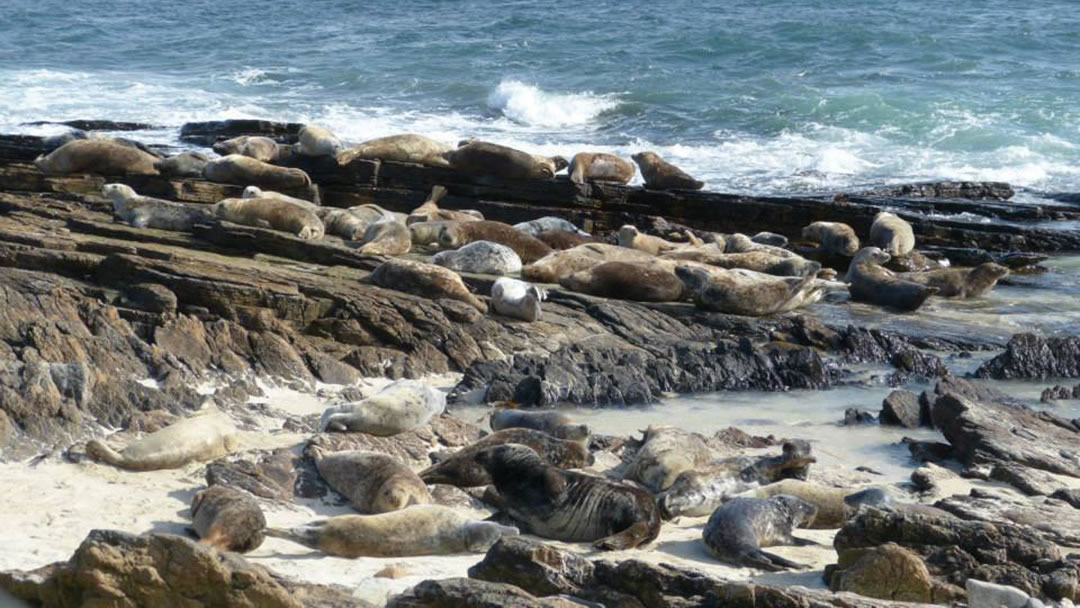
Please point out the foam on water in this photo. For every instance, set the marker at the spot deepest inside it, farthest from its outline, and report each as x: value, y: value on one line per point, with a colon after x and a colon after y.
x: 534, y: 107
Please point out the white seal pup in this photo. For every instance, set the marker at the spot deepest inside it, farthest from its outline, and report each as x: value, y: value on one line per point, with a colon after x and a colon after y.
x: 313, y: 140
x: 146, y: 212
x: 272, y: 213
x: 548, y: 222
x: 402, y: 406
x: 206, y: 436
x: 257, y: 192
x: 892, y: 234
x: 480, y: 257
x: 415, y: 530
x: 517, y: 299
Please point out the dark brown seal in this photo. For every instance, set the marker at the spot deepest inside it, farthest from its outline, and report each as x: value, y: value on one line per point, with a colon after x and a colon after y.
x: 461, y: 469
x: 600, y: 167
x: 228, y: 519
x: 960, y: 282
x: 662, y: 175
x: 457, y: 234
x: 626, y: 281
x: 483, y: 158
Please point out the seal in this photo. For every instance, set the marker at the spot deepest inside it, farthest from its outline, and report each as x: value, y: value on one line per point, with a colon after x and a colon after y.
x: 662, y: 175
x: 373, y: 482
x: 770, y: 238
x: 185, y: 164
x: 748, y: 293
x: 737, y: 531
x: 561, y: 264
x: 252, y: 146
x: 630, y: 237
x: 517, y: 299
x: 626, y: 281
x: 146, y: 212
x: 834, y: 237
x: 272, y: 213
x: 892, y: 234
x: 387, y: 238
x: 698, y: 492
x: 374, y: 213
x: 869, y: 282
x: 666, y: 453
x: 415, y: 530
x: 758, y: 261
x: 569, y: 506
x: 206, y: 436
x: 555, y: 424
x: 600, y: 167
x: 463, y: 470
x: 401, y: 406
x: 740, y: 243
x: 228, y: 519
x: 548, y: 222
x: 959, y: 282
x: 829, y: 502
x: 427, y: 233
x: 562, y: 239
x: 52, y: 142
x: 458, y: 234
x: 406, y: 148
x: 257, y: 192
x: 342, y: 222
x: 245, y: 171
x: 485, y: 159
x: 480, y: 257
x: 429, y: 211
x: 100, y: 156
x: 313, y: 140
x: 425, y: 280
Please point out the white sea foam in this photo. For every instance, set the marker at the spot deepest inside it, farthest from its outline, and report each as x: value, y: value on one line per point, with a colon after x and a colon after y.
x: 534, y: 107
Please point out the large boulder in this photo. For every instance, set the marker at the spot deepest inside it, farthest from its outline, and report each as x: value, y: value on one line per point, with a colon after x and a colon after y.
x: 1032, y: 356
x: 888, y: 572
x: 470, y: 593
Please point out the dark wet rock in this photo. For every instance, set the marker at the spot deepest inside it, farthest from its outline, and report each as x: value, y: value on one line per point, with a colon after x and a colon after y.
x: 99, y: 125
x: 1029, y: 481
x: 150, y: 297
x: 470, y: 593
x: 1057, y: 393
x: 1016, y: 261
x: 211, y: 132
x: 1069, y: 495
x: 1032, y: 356
x: 733, y: 438
x: 915, y: 261
x: 873, y: 346
x: 853, y: 416
x: 928, y: 451
x: 1056, y: 519
x: 902, y: 408
x: 948, y: 189
x: 928, y: 478
x: 113, y: 568
x: 276, y: 475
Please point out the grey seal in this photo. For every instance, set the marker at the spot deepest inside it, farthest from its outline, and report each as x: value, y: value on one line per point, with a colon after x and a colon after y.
x: 272, y: 213
x: 246, y: 171
x: 626, y: 281
x: 146, y: 212
x: 892, y: 234
x: 555, y: 424
x: 517, y: 299
x: 834, y: 237
x: 480, y: 257
x: 869, y: 282
x: 401, y: 406
x: 548, y: 222
x: 425, y: 280
x: 662, y: 175
x: 461, y: 468
x: 737, y: 531
x: 387, y: 238
x: 600, y: 167
x: 959, y: 282
x: 185, y: 164
x: 101, y: 156
x: 458, y: 234
x: 252, y: 146
x: 228, y: 519
x: 745, y: 292
x: 313, y: 140
x: 373, y: 482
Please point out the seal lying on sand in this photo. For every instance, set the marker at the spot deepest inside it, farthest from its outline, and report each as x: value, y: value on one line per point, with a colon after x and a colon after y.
x: 959, y: 282
x: 483, y: 158
x: 100, y: 156
x: 146, y: 212
x: 416, y: 530
x: 373, y: 482
x: 600, y: 167
x: 185, y: 164
x: 463, y: 470
x: 228, y: 519
x: 667, y: 452
x: 252, y: 146
x: 662, y: 175
x: 891, y: 234
x: 869, y: 282
x: 737, y: 531
x: 458, y: 234
x: 555, y: 424
x: 425, y: 280
x: 387, y: 238
x: 745, y: 292
x: 406, y: 148
x: 272, y: 213
x: 480, y: 257
x: 517, y: 299
x: 561, y: 264
x: 626, y: 281
x: 400, y: 406
x: 568, y: 505
x: 829, y: 502
x: 245, y: 171
x: 313, y: 140
x: 429, y: 211
x: 834, y: 237
x: 206, y: 436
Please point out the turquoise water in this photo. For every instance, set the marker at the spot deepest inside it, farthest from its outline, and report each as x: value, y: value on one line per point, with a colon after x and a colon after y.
x: 753, y: 96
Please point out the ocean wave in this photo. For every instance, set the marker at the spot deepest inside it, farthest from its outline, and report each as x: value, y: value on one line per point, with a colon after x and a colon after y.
x: 250, y: 76
x: 534, y: 107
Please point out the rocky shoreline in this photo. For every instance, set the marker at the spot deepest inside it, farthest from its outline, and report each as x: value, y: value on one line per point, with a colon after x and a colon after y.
x: 106, y: 326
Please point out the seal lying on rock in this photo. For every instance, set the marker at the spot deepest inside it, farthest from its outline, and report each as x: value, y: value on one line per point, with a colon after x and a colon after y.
x: 257, y: 192
x: 480, y: 257
x: 426, y: 233
x: 745, y: 292
x: 245, y: 171
x: 666, y: 453
x: 373, y: 482
x: 631, y: 237
x: 401, y: 406
x: 626, y: 281
x: 959, y: 282
x: 517, y: 299
x: 146, y: 212
x: 834, y: 237
x: 483, y: 158
x: 185, y: 164
x: 758, y: 261
x: 740, y: 243
x: 416, y: 530
x: 568, y: 505
x: 100, y: 156
x: 252, y: 146
x: 662, y: 175
x: 548, y: 222
x: 342, y: 222
x: 406, y: 148
x: 374, y: 213
x: 272, y: 213
x: 313, y: 140
x: 429, y: 211
x: 425, y: 280
x: 562, y: 239
x: 458, y: 234
x: 869, y: 282
x: 206, y: 436
x: 228, y: 519
x: 561, y: 264
x: 737, y: 531
x: 463, y: 470
x: 386, y: 237
x: 892, y: 234
x: 555, y: 424
x: 600, y: 167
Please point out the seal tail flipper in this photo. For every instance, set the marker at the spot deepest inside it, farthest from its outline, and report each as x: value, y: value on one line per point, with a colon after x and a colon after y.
x: 97, y: 450
x: 804, y: 542
x: 307, y: 535
x: 771, y: 562
x: 437, y: 194
x: 629, y: 538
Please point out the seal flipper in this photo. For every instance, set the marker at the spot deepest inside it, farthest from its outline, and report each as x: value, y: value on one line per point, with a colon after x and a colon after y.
x: 769, y: 561
x: 97, y: 450
x: 627, y: 539
x: 802, y: 542
x: 307, y: 535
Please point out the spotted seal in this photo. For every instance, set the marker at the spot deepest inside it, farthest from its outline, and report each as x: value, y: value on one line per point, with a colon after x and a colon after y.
x: 869, y: 282
x: 386, y: 237
x: 483, y: 158
x: 569, y: 506
x: 246, y: 171
x: 401, y: 406
x: 373, y: 482
x: 100, y: 156
x: 414, y: 530
x: 425, y: 280
x: 737, y: 531
x: 835, y: 238
x: 313, y: 140
x: 892, y: 234
x: 185, y: 164
x: 228, y: 519
x: 463, y: 470
x: 429, y: 211
x: 555, y: 424
x: 745, y: 292
x: 600, y: 167
x: 257, y: 192
x: 561, y: 264
x: 146, y: 212
x: 666, y: 453
x: 206, y: 436
x: 480, y: 257
x: 458, y: 234
x: 272, y: 213
x: 959, y: 282
x: 829, y: 502
x: 252, y: 146
x: 626, y: 281
x: 662, y: 175
x: 404, y: 148
x: 548, y: 222
x: 517, y: 299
